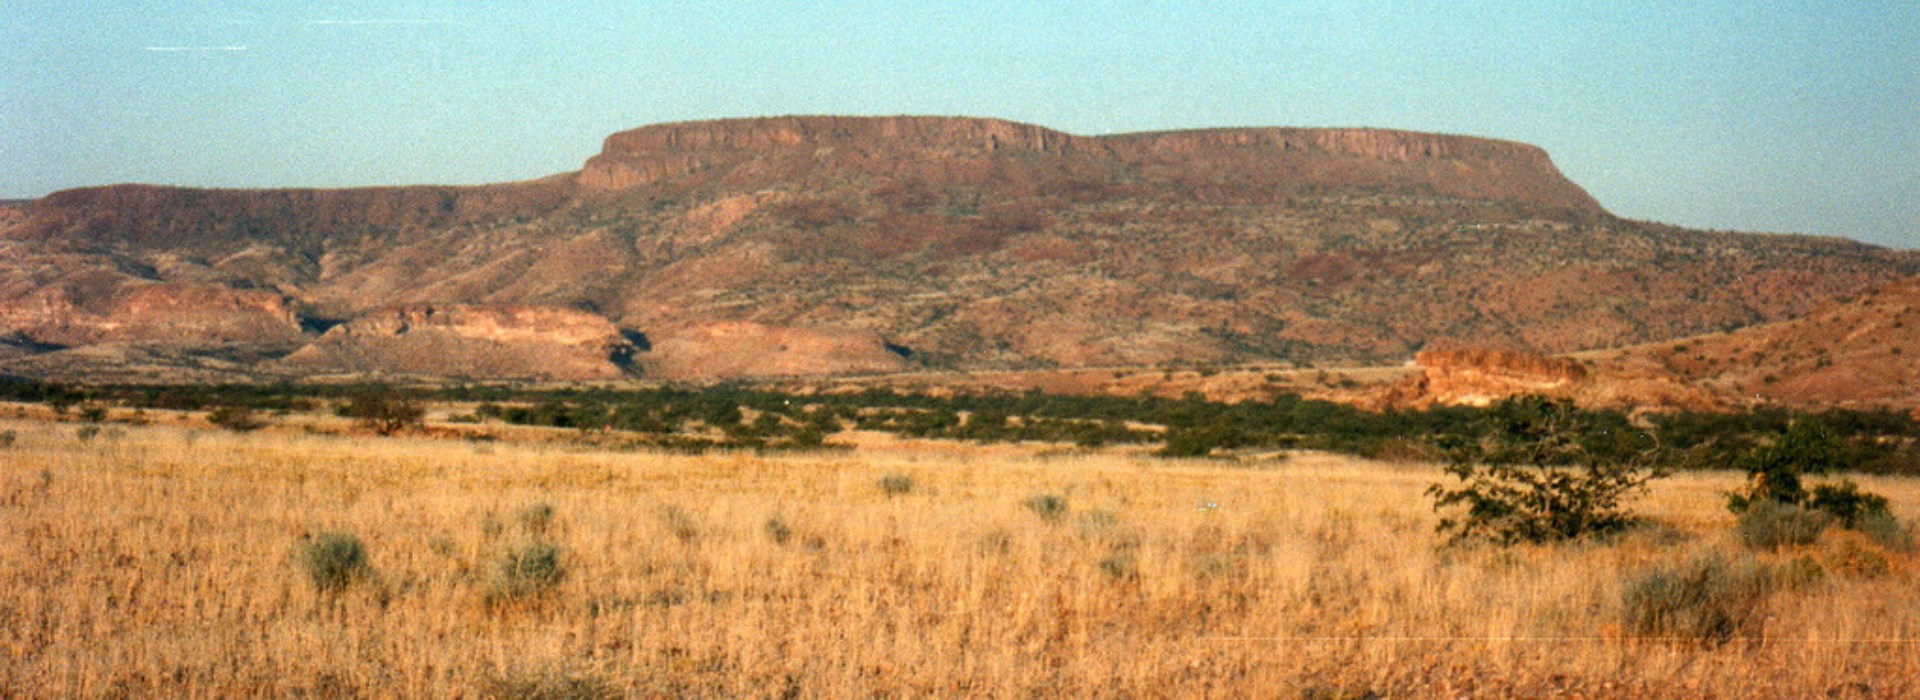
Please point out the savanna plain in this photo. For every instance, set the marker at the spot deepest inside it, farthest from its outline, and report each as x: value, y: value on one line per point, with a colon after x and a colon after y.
x: 173, y: 560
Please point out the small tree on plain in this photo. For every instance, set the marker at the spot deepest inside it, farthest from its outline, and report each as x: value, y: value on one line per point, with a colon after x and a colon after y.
x: 1543, y: 470
x: 385, y: 410
x: 237, y: 418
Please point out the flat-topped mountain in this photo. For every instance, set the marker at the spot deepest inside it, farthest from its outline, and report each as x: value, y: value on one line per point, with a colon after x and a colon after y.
x: 857, y: 244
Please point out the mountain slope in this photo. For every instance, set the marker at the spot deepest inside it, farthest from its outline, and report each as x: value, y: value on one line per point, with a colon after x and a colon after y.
x: 958, y: 243
x: 1863, y: 351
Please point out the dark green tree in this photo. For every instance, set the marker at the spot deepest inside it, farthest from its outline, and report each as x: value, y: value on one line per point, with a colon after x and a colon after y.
x: 1540, y: 470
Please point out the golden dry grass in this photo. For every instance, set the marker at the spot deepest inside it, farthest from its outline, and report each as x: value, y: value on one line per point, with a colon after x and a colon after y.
x: 159, y: 560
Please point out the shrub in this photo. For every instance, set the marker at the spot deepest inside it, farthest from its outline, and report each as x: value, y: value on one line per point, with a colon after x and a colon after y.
x: 1708, y: 600
x: 1775, y: 472
x: 334, y: 560
x: 1846, y: 502
x: 1546, y: 472
x: 384, y: 410
x: 1775, y: 469
x: 1048, y: 506
x: 239, y: 419
x: 527, y: 570
x: 1887, y: 531
x: 1772, y: 525
x: 1851, y: 555
x: 7, y: 438
x: 1201, y: 442
x: 778, y: 530
x: 93, y: 413
x: 87, y: 433
x: 896, y: 484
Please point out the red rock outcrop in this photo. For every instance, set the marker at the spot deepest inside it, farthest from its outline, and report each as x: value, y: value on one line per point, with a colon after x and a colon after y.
x: 1480, y: 376
x: 743, y: 349
x: 502, y: 342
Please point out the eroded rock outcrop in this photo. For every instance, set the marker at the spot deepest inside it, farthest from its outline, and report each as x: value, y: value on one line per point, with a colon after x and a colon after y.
x: 112, y: 310
x: 1480, y: 376
x: 505, y: 342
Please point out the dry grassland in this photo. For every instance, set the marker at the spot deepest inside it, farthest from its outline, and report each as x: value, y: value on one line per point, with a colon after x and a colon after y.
x: 162, y: 561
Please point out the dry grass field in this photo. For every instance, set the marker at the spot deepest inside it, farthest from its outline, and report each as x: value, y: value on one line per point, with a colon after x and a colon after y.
x: 165, y: 561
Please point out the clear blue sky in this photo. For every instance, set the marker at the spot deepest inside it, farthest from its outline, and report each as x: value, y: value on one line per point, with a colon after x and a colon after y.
x: 1771, y: 116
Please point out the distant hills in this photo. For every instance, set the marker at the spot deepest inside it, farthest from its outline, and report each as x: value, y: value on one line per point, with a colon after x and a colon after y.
x: 824, y: 245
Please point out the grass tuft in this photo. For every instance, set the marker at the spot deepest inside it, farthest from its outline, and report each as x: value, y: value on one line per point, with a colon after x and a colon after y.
x: 334, y: 560
x: 1708, y: 600
x: 1049, y: 507
x: 527, y: 571
x: 1772, y: 525
x: 896, y: 484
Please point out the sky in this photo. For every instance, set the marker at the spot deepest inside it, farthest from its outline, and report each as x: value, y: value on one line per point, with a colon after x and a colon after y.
x: 1774, y: 116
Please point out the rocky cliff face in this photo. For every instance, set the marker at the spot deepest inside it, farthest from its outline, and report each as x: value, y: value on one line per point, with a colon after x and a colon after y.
x: 1291, y: 160
x: 504, y: 342
x: 1480, y: 376
x: 1259, y: 163
x: 784, y: 145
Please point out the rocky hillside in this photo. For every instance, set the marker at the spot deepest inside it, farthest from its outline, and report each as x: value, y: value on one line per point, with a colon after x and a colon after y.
x: 1863, y: 351
x: 823, y: 245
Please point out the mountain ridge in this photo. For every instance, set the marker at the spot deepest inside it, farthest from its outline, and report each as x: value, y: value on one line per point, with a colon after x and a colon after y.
x: 961, y: 243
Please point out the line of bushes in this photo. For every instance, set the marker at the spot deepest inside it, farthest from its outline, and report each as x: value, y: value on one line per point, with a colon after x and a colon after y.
x: 1867, y: 441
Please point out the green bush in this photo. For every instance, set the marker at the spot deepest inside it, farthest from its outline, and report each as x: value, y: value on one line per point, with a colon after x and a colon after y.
x: 1201, y: 442
x: 1846, y: 502
x: 1707, y: 600
x: 1772, y: 525
x: 1775, y: 469
x: 1544, y: 471
x: 526, y: 571
x: 334, y: 560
